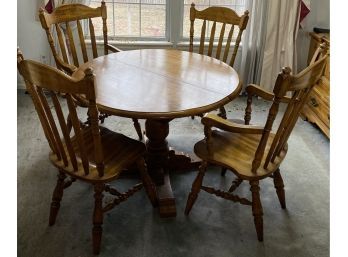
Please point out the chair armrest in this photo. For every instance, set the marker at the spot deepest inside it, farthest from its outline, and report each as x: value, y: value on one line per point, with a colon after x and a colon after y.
x: 211, y: 120
x: 113, y: 49
x: 68, y: 68
x: 253, y: 89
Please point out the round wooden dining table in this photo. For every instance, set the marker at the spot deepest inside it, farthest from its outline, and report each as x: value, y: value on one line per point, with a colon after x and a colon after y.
x: 159, y: 85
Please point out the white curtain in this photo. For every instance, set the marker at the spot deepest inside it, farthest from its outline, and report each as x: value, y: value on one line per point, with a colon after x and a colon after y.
x: 269, y: 41
x: 280, y: 46
x: 254, y: 42
x: 60, y: 2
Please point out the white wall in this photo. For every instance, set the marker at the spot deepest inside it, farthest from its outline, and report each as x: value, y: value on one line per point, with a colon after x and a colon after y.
x: 31, y: 38
x: 319, y: 16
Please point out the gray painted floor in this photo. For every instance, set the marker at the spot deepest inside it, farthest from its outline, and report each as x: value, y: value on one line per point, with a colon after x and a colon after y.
x: 215, y: 226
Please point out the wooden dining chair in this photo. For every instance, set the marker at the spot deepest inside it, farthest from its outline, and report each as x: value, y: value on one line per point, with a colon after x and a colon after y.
x: 253, y: 153
x: 65, y: 53
x: 92, y: 154
x: 230, y: 21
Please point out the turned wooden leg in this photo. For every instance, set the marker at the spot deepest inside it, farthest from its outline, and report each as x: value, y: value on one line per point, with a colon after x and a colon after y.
x: 138, y: 128
x: 193, y: 117
x: 157, y: 160
x: 157, y: 149
x: 97, y: 217
x: 196, y: 187
x: 257, y: 208
x: 279, y: 186
x: 223, y: 171
x: 222, y: 112
x: 56, y: 198
x: 235, y: 184
x: 147, y: 181
x: 247, y: 116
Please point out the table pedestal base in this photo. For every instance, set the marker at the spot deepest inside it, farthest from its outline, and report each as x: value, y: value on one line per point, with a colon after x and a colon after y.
x: 161, y: 160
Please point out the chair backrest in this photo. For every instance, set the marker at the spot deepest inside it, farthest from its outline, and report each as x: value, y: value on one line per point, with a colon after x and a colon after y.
x: 65, y: 16
x: 222, y: 15
x: 43, y: 81
x: 300, y: 86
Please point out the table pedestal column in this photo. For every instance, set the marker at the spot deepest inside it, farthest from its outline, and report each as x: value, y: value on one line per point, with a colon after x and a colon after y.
x: 157, y: 163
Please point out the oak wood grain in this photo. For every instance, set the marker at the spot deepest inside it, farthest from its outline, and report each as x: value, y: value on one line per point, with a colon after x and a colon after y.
x: 317, y: 109
x: 254, y: 153
x: 220, y: 15
x: 91, y: 153
x: 65, y: 53
x: 160, y: 83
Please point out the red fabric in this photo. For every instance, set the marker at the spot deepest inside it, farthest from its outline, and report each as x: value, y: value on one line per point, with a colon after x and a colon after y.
x: 304, y: 11
x: 49, y: 6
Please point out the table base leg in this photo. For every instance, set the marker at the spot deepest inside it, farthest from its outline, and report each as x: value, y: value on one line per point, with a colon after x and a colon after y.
x: 181, y: 162
x: 166, y: 199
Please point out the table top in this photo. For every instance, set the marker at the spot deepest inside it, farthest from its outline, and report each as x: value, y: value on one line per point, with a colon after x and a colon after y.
x: 160, y: 83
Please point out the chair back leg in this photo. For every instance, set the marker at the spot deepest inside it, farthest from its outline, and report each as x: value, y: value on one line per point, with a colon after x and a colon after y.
x: 223, y: 171
x: 222, y: 112
x: 279, y: 186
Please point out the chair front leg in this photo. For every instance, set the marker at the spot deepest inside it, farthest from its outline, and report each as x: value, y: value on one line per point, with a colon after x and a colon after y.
x: 196, y: 187
x: 257, y: 208
x: 279, y: 186
x: 97, y: 217
x: 147, y: 182
x: 56, y: 198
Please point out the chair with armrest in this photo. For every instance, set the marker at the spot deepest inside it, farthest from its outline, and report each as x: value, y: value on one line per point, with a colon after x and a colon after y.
x: 253, y: 153
x: 62, y: 19
x: 89, y: 153
x: 230, y: 21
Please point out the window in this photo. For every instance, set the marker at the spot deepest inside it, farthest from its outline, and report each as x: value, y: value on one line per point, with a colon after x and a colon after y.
x: 154, y: 20
x: 134, y: 19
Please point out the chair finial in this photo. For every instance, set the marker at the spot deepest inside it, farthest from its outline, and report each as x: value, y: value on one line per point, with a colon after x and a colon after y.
x: 19, y: 54
x: 193, y: 5
x: 89, y: 72
x: 286, y: 70
x: 324, y: 47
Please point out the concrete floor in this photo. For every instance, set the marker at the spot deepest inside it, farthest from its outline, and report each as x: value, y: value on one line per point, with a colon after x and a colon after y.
x: 215, y: 227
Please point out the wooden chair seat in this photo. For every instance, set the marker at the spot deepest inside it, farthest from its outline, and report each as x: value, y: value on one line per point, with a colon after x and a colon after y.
x: 82, y: 151
x: 236, y: 152
x: 255, y: 152
x: 119, y: 153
